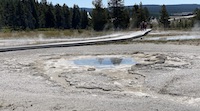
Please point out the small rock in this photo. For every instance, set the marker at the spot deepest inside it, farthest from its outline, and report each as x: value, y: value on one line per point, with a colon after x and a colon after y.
x: 130, y: 71
x: 91, y: 69
x: 53, y: 67
x: 161, y: 61
x: 138, y: 52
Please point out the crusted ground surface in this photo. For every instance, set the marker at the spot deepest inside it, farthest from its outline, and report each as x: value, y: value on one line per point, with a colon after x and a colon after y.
x: 164, y: 78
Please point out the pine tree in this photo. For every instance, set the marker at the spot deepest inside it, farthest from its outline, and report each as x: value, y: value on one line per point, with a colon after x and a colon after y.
x: 8, y: 14
x: 59, y: 17
x: 49, y: 17
x: 119, y: 14
x: 139, y: 14
x: 76, y: 17
x: 67, y: 17
x: 164, y: 17
x: 125, y: 19
x: 42, y: 8
x: 99, y: 16
x: 34, y: 12
x: 84, y: 19
x: 135, y: 13
x: 20, y: 18
x: 29, y: 10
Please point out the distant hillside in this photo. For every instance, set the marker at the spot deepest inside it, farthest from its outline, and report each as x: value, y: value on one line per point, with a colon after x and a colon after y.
x: 172, y: 9
x: 87, y: 9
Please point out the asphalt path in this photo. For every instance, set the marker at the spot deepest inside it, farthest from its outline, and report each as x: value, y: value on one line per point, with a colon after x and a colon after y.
x: 89, y: 41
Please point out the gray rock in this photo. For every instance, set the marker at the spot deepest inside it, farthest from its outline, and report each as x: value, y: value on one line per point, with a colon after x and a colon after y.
x: 91, y: 69
x: 161, y: 61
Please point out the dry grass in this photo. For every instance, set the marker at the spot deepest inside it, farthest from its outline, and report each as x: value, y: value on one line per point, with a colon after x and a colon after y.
x: 168, y: 33
x: 180, y: 32
x: 1, y: 105
x: 50, y: 33
x: 175, y: 42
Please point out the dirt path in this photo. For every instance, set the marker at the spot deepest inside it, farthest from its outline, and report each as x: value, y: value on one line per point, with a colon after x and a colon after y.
x: 165, y: 78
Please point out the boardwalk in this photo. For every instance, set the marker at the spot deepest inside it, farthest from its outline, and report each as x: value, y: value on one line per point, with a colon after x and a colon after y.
x: 88, y: 41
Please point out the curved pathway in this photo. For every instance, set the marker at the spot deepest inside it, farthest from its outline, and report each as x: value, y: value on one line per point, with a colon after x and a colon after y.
x: 88, y: 41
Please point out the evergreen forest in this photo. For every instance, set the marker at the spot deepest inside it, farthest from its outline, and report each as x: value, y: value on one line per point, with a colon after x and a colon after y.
x: 34, y: 14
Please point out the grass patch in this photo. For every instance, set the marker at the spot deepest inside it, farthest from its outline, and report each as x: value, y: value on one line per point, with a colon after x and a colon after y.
x: 50, y: 33
x: 1, y: 105
x: 175, y: 42
x: 164, y: 33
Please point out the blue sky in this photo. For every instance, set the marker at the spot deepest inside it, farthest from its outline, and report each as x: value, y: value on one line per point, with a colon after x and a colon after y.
x: 88, y: 3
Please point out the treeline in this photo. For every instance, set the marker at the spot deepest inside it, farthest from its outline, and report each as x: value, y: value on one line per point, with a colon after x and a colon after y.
x: 30, y: 14
x: 117, y: 16
x: 176, y: 23
x: 197, y: 12
x: 33, y: 14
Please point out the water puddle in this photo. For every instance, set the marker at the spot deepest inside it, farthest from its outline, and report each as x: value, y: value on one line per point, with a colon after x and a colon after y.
x: 104, y: 62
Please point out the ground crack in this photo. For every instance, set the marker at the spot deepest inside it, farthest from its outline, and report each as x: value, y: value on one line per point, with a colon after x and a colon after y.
x: 93, y: 88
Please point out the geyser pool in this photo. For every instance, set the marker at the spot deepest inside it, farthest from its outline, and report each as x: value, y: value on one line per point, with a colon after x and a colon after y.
x: 104, y: 62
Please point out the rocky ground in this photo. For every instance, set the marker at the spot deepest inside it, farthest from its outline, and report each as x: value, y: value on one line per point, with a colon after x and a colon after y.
x: 164, y: 78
